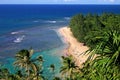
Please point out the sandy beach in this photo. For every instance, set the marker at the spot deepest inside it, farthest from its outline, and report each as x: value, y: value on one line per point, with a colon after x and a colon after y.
x: 74, y: 48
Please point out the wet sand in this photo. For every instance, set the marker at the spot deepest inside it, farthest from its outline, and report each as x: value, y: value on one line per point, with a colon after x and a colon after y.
x: 75, y: 48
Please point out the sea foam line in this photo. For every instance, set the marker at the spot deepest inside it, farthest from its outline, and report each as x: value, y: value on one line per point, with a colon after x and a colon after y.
x: 51, y: 21
x: 19, y: 39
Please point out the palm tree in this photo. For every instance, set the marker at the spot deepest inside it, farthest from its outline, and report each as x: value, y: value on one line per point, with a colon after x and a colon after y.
x: 25, y: 61
x: 52, y: 70
x: 4, y: 74
x: 102, y: 35
x: 109, y: 44
x: 52, y: 67
x: 68, y: 67
x: 56, y: 78
x: 105, y: 66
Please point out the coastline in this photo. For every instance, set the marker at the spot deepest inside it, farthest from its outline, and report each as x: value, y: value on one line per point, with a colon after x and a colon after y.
x: 74, y: 48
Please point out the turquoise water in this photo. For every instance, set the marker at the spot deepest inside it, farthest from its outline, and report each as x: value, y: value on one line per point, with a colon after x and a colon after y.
x: 25, y: 26
x: 50, y: 55
x: 46, y: 42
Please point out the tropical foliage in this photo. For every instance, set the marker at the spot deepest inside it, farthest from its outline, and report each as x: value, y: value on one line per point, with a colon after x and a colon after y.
x: 32, y: 67
x: 27, y: 68
x: 68, y: 68
x: 100, y: 32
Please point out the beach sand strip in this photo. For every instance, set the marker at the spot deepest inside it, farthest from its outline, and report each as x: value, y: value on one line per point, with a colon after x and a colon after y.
x: 75, y: 48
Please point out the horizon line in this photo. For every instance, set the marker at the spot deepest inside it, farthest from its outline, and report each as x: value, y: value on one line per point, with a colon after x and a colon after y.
x: 59, y: 4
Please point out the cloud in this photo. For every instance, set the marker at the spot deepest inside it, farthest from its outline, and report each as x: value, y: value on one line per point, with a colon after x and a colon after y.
x: 104, y: 0
x: 68, y: 0
x: 111, y: 0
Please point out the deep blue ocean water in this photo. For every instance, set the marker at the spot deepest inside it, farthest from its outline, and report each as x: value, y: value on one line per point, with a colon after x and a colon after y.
x: 25, y: 26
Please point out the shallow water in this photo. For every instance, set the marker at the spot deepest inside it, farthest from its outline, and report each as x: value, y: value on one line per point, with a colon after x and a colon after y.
x: 45, y: 41
x: 23, y: 27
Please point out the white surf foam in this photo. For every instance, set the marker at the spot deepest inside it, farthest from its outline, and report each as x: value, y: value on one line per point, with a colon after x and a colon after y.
x: 51, y: 21
x: 67, y: 18
x: 19, y: 39
x: 14, y: 32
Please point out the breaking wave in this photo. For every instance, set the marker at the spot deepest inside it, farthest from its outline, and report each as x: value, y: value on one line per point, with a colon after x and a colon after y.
x: 49, y: 21
x: 19, y: 39
x: 14, y: 32
x: 67, y: 18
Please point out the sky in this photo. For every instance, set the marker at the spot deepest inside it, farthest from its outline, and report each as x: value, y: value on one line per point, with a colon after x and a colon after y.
x: 59, y: 1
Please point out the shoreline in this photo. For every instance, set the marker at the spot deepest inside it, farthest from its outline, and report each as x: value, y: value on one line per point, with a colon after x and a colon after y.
x: 74, y: 48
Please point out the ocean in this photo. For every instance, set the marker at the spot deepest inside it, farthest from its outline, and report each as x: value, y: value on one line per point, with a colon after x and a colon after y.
x: 26, y: 26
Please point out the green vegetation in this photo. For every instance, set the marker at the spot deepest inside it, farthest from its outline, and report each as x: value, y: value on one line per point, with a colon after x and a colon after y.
x: 102, y: 35
x: 100, y: 32
x: 26, y: 67
x: 68, y: 68
x: 32, y: 67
